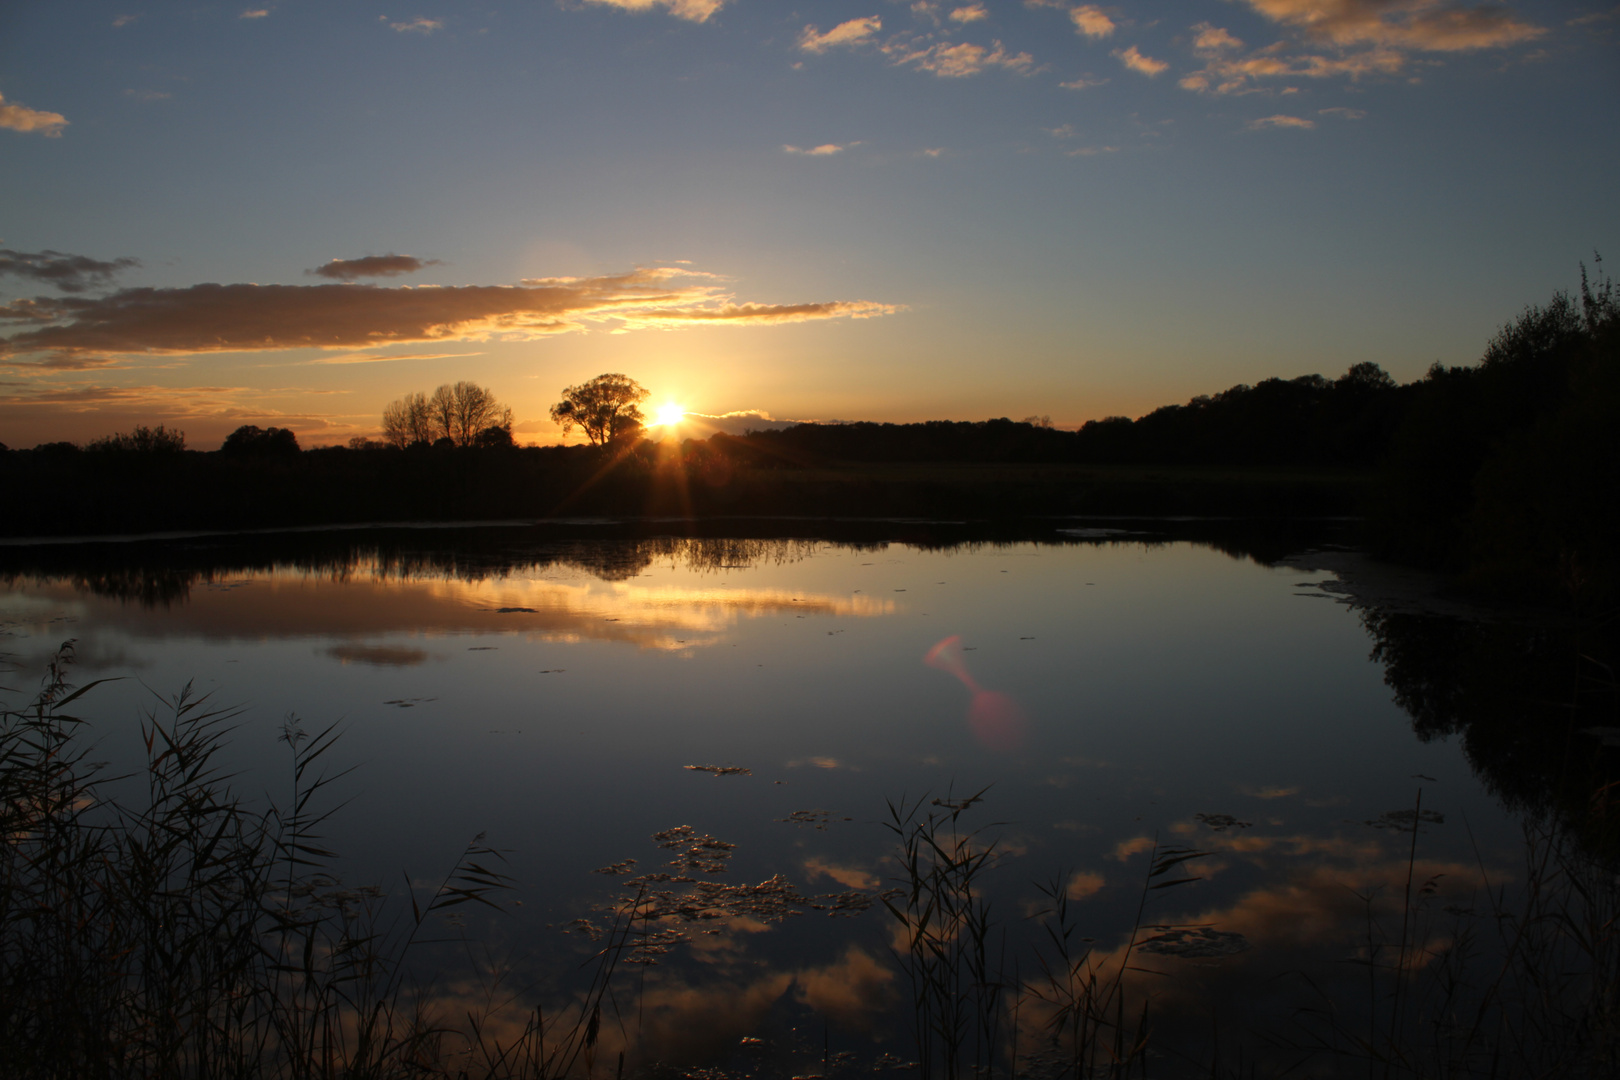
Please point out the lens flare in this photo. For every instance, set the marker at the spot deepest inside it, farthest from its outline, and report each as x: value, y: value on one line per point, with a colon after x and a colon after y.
x: 994, y: 718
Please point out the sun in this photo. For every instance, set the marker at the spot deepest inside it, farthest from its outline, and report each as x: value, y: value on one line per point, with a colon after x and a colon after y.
x: 670, y: 415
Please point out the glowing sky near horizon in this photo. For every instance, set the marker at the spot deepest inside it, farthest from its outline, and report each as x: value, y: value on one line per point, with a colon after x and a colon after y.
x: 879, y: 210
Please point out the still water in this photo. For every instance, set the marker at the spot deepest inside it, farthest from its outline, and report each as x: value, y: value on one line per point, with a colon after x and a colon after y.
x: 571, y: 693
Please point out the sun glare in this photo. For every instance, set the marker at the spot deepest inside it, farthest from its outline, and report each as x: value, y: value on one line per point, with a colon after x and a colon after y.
x: 669, y: 415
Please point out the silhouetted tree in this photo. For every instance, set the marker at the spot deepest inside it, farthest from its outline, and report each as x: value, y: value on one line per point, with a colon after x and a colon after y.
x: 250, y: 440
x: 457, y: 412
x: 408, y: 421
x: 605, y: 408
x: 464, y: 410
x: 143, y: 440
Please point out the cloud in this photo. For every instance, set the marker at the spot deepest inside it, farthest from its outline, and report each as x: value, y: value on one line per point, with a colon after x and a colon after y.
x: 255, y: 13
x: 824, y: 150
x: 848, y: 876
x: 1214, y: 39
x: 1084, y: 82
x: 812, y: 40
x: 1238, y: 76
x: 1091, y: 151
x: 418, y: 25
x: 1428, y: 25
x: 124, y: 20
x: 690, y: 10
x: 1371, y: 37
x: 69, y: 273
x: 957, y: 61
x: 22, y: 118
x: 212, y: 318
x: 367, y: 358
x: 1091, y: 21
x: 1133, y: 59
x: 1341, y: 111
x: 1084, y: 883
x: 971, y: 13
x: 372, y: 266
x: 1281, y: 121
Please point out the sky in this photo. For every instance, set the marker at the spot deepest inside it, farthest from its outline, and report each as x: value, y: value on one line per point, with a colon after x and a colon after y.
x: 292, y: 213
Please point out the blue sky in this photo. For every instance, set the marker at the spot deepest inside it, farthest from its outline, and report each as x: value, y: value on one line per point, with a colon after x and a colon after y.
x: 880, y: 210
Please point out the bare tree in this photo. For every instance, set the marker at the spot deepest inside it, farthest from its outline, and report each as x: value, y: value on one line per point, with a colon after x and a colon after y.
x: 604, y: 408
x: 464, y: 410
x: 460, y: 412
x: 407, y: 421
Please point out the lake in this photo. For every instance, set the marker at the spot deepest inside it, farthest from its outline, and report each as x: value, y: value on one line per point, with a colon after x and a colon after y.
x: 745, y: 727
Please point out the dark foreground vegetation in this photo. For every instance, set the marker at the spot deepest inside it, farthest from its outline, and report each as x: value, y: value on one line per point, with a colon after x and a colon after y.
x: 1503, y: 474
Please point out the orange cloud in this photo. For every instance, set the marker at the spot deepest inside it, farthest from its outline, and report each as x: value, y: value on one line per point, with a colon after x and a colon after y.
x: 1229, y: 76
x: 1146, y: 65
x: 1428, y: 25
x: 1281, y: 121
x: 851, y: 32
x: 1091, y: 21
x: 958, y: 61
x: 22, y: 118
x: 1214, y: 39
x: 690, y: 10
x: 970, y: 13
x: 824, y: 150
x: 254, y: 318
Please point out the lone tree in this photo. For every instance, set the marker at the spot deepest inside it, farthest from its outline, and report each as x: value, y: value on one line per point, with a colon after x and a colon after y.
x: 604, y: 408
x: 467, y: 414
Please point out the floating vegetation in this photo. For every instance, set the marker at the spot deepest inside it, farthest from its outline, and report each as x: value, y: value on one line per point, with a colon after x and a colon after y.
x: 1222, y: 822
x: 612, y: 869
x: 816, y: 819
x: 1195, y: 943
x: 720, y: 770
x: 697, y: 852
x: 769, y: 901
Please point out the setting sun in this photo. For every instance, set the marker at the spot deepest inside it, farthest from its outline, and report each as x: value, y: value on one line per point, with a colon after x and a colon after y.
x: 669, y: 415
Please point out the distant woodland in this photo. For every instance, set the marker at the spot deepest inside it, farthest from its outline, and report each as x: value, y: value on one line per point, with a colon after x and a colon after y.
x: 1504, y: 473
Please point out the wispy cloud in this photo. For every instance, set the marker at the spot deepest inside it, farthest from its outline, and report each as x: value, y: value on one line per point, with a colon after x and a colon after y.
x: 255, y: 13
x: 970, y: 13
x: 372, y: 266
x: 69, y: 273
x: 1084, y: 82
x: 824, y: 150
x: 419, y: 25
x: 690, y: 10
x: 1222, y: 75
x: 367, y: 358
x: 1214, y: 39
x: 124, y: 20
x: 255, y: 318
x: 1343, y: 113
x: 1364, y: 38
x: 21, y: 118
x: 1136, y: 61
x: 958, y: 61
x: 1092, y: 21
x: 1428, y: 25
x: 1281, y: 121
x: 851, y: 32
